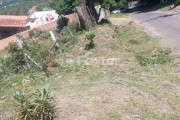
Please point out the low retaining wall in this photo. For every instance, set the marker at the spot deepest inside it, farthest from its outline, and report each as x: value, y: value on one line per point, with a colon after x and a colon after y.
x: 25, y: 34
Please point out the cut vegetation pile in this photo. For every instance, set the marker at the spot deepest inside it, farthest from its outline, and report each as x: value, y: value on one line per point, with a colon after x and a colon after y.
x: 126, y: 75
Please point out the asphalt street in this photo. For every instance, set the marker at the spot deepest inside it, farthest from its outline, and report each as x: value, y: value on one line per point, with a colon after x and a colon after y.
x: 165, y: 24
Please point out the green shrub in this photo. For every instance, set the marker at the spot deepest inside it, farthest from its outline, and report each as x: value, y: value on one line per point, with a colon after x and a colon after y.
x: 31, y: 33
x: 90, y: 36
x: 16, y: 62
x: 62, y: 22
x: 45, y: 35
x: 68, y: 44
x: 176, y: 2
x: 37, y: 107
x: 156, y: 56
x: 75, y: 28
x: 41, y: 54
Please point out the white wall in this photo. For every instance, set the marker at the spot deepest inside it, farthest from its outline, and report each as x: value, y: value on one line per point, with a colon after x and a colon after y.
x: 42, y: 17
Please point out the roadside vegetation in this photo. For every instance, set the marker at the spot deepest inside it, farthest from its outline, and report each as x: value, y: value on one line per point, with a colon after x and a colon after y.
x: 164, y: 7
x: 119, y: 15
x: 102, y: 72
x: 140, y: 81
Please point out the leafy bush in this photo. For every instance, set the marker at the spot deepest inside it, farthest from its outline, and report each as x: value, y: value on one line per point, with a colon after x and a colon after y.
x: 156, y: 56
x: 176, y: 2
x: 68, y: 44
x: 90, y: 36
x: 62, y: 21
x: 45, y: 35
x: 31, y: 33
x: 17, y: 63
x: 75, y: 28
x: 39, y: 107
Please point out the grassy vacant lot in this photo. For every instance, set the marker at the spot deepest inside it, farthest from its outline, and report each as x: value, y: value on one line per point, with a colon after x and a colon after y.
x: 140, y: 82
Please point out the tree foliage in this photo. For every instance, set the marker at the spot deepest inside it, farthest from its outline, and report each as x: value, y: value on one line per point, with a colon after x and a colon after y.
x: 176, y: 2
x: 64, y: 6
x: 43, y: 6
x: 112, y: 3
x: 150, y: 2
x: 18, y: 7
x: 68, y: 6
x: 153, y: 2
x: 85, y: 9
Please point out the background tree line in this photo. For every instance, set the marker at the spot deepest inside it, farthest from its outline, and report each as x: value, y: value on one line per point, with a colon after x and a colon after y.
x: 18, y: 7
x: 68, y: 6
x: 153, y: 2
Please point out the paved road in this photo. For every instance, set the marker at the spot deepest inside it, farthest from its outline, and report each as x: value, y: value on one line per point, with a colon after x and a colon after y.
x: 165, y: 24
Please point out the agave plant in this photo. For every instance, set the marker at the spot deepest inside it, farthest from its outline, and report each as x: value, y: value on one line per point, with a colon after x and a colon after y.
x: 90, y: 36
x: 43, y: 105
x: 23, y: 109
x: 41, y: 108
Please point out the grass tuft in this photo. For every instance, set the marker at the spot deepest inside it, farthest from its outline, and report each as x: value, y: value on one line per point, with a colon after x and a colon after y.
x: 119, y: 15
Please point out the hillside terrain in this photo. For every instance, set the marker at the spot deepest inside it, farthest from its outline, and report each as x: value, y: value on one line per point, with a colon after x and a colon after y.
x: 77, y: 69
x: 127, y: 75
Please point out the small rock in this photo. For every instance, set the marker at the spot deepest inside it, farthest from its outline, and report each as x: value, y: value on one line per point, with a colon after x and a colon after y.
x: 3, y: 97
x: 81, y: 48
x: 26, y: 83
x: 134, y: 91
x: 15, y: 85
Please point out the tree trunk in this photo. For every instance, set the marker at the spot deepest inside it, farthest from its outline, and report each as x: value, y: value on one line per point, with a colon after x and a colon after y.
x: 92, y: 10
x: 87, y: 16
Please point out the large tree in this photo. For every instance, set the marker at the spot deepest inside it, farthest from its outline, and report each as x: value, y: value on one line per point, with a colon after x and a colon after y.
x: 85, y: 9
x: 87, y: 13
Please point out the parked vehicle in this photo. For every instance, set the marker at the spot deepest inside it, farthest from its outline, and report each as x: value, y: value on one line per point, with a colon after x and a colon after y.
x: 118, y: 10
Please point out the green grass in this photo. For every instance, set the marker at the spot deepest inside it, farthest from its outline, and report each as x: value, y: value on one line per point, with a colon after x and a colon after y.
x: 163, y: 7
x: 128, y: 90
x: 119, y: 15
x: 113, y: 46
x: 157, y: 56
x: 3, y: 53
x: 95, y: 77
